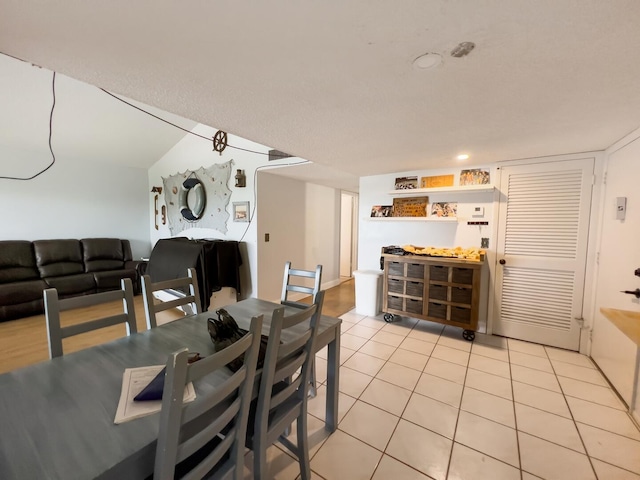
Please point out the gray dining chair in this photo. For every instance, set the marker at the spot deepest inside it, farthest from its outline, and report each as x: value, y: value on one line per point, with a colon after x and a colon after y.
x: 296, y: 280
x: 283, y: 395
x: 205, y: 438
x: 53, y: 306
x: 190, y: 302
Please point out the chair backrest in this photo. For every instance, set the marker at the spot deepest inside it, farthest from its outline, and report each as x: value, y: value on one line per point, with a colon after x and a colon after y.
x: 209, y: 414
x: 283, y: 396
x: 293, y: 277
x: 53, y: 306
x: 191, y: 300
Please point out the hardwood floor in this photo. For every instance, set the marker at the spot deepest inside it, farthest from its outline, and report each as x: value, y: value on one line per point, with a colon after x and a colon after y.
x: 24, y: 341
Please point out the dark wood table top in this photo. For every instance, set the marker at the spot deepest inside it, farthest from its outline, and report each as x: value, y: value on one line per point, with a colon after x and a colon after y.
x: 57, y: 416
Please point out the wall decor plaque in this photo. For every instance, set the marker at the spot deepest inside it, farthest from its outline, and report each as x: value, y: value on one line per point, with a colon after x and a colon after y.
x: 437, y: 181
x: 410, y: 207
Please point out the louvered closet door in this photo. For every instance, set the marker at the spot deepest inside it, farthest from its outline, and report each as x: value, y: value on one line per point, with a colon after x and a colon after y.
x: 542, y: 247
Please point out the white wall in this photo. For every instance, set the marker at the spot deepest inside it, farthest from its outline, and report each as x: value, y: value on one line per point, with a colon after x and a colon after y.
x: 375, y: 190
x: 194, y: 152
x: 281, y: 215
x: 619, y: 257
x: 346, y: 234
x: 286, y: 209
x: 302, y: 220
x: 373, y: 235
x: 322, y: 225
x: 76, y: 200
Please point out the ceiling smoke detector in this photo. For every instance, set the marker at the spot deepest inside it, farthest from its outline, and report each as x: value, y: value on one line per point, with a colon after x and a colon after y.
x: 427, y: 61
x: 462, y: 49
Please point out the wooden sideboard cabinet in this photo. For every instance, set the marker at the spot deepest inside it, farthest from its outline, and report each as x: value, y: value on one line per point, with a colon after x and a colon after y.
x: 443, y: 290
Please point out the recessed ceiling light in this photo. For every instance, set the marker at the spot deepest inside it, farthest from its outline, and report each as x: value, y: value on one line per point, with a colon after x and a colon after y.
x: 426, y: 61
x: 462, y: 156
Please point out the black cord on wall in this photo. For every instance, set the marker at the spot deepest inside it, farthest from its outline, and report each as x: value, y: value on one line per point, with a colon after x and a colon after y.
x: 53, y: 156
x: 178, y: 126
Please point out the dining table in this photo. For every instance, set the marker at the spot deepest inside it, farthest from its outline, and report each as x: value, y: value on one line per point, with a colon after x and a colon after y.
x: 57, y: 417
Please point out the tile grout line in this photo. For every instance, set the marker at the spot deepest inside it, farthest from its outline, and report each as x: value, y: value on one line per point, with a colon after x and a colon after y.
x: 399, y: 417
x: 422, y: 372
x: 405, y: 407
x: 572, y: 417
x: 455, y: 428
x: 515, y: 416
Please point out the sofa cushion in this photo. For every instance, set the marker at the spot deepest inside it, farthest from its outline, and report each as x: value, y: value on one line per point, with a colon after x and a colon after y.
x: 103, y: 254
x: 21, y: 292
x: 106, y: 281
x: 17, y: 261
x: 71, y: 285
x: 21, y: 310
x: 58, y: 257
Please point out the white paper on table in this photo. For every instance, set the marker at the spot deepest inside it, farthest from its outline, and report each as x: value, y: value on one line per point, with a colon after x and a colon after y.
x: 134, y: 380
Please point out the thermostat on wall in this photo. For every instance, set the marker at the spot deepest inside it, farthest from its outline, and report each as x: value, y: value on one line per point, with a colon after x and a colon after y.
x: 478, y: 212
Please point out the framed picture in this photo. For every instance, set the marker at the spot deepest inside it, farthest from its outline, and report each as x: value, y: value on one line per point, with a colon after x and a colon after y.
x: 410, y: 207
x: 444, y: 209
x: 474, y: 176
x: 240, y: 211
x: 437, y: 181
x: 406, y: 183
x: 382, y: 211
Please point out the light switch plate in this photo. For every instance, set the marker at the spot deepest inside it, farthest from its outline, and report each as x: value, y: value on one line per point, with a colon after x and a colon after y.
x: 621, y: 207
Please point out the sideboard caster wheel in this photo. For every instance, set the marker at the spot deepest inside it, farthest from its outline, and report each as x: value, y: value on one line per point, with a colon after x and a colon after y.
x: 469, y: 335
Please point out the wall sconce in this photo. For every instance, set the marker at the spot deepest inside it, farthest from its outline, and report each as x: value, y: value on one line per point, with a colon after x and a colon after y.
x: 241, y: 179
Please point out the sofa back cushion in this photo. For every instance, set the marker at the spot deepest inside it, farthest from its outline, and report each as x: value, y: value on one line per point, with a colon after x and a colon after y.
x: 103, y: 254
x: 56, y: 258
x: 17, y: 261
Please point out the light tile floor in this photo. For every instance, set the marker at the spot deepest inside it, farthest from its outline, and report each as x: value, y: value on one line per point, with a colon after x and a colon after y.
x: 419, y: 402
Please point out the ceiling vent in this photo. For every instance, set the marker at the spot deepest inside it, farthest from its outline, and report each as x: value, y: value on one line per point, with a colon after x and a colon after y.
x: 463, y: 49
x: 277, y: 155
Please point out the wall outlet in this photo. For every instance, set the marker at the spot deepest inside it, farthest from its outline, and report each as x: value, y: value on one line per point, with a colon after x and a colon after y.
x: 484, y: 242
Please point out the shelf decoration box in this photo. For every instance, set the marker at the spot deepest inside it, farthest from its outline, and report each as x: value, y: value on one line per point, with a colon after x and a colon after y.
x: 410, y: 207
x: 437, y: 181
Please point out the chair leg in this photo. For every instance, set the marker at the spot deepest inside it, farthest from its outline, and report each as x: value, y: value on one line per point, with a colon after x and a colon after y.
x: 260, y: 458
x: 313, y: 391
x: 303, y: 447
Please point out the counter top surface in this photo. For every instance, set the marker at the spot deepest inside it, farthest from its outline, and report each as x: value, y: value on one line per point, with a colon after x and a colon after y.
x: 627, y: 321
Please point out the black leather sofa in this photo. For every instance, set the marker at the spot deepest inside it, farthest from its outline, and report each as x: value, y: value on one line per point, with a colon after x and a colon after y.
x: 73, y: 267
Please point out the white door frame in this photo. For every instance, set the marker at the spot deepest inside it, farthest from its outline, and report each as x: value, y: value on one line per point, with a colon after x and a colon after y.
x: 592, y: 245
x: 351, y: 224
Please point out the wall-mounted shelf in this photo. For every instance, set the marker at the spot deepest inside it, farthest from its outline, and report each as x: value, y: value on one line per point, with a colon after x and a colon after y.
x: 414, y: 219
x: 426, y: 191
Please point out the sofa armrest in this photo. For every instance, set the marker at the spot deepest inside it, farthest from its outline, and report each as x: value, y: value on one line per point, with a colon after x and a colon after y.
x: 140, y: 266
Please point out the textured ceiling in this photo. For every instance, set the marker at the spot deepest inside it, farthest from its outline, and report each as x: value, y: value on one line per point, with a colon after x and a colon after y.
x: 332, y: 81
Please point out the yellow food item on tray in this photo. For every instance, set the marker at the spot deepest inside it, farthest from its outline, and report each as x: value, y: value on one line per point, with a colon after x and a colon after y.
x: 472, y: 253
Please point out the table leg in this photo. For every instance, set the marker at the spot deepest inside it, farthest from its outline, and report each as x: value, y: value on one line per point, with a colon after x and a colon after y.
x: 333, y: 382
